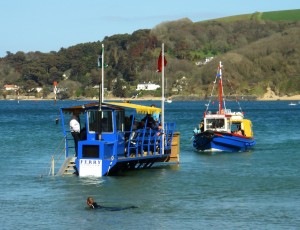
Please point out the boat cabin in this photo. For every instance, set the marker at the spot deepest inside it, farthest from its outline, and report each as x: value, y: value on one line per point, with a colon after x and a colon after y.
x: 229, y: 122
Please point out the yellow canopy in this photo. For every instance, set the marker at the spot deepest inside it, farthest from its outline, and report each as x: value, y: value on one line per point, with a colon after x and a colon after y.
x: 138, y: 108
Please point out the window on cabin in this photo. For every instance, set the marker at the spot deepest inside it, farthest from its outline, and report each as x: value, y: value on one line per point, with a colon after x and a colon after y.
x: 93, y: 120
x: 107, y: 121
x: 120, y: 120
x: 215, y: 123
x: 100, y: 121
x: 236, y: 127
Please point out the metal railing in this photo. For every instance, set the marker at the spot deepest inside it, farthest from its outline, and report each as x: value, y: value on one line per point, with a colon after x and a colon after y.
x: 59, y: 155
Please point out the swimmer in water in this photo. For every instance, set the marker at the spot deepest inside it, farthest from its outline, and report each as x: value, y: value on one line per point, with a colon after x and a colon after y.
x: 93, y: 205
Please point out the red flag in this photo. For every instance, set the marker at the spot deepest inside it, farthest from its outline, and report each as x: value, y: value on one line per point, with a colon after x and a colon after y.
x: 159, y: 62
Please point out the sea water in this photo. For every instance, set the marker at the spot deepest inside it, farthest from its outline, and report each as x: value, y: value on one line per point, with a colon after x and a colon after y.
x: 259, y: 189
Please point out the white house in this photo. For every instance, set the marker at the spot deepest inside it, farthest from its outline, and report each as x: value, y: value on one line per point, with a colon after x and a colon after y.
x: 10, y: 87
x: 147, y: 86
x: 208, y: 59
x: 39, y: 89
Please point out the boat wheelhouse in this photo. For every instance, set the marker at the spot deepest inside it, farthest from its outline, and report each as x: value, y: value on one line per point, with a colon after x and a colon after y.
x: 114, y: 138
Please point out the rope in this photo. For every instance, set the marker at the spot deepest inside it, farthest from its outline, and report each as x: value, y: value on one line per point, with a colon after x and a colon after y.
x: 211, y: 94
x: 111, y: 161
x: 236, y: 98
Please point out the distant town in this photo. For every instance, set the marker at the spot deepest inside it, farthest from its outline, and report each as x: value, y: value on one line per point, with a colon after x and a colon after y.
x: 11, y: 91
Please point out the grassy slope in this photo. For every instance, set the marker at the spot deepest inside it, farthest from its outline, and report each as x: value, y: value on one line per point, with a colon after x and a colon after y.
x: 284, y: 15
x: 289, y: 15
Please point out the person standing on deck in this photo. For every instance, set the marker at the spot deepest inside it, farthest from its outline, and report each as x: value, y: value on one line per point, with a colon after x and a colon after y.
x: 75, y: 131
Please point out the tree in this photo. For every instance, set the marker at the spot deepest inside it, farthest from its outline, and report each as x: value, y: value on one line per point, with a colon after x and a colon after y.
x: 120, y: 88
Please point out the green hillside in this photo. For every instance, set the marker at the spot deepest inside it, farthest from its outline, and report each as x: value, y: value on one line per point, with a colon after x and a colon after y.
x: 284, y: 15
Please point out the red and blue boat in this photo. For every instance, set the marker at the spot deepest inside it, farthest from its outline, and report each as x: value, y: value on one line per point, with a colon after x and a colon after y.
x: 223, y: 129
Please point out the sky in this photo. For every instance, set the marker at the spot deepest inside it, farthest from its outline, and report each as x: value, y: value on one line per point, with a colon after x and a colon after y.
x: 49, y: 25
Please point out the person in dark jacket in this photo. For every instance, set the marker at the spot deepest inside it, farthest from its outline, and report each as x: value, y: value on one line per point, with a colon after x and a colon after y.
x: 93, y: 205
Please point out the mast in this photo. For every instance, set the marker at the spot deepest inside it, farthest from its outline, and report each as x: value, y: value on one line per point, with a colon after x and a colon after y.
x: 102, y: 71
x: 101, y: 92
x: 220, y: 87
x: 163, y: 97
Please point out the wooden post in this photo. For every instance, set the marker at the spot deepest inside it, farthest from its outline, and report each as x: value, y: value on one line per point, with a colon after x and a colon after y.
x: 55, y: 91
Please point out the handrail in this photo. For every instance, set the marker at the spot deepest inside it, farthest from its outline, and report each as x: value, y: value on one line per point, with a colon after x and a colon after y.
x: 53, y: 161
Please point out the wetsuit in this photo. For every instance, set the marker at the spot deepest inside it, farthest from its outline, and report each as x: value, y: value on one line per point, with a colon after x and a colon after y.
x: 96, y: 206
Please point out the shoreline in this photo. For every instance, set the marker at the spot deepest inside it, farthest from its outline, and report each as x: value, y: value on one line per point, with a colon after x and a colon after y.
x: 266, y: 97
x: 271, y: 96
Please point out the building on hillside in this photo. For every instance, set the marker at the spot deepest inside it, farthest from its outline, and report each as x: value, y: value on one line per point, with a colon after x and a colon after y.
x: 35, y: 90
x: 208, y: 59
x: 8, y: 87
x: 39, y: 89
x: 147, y: 86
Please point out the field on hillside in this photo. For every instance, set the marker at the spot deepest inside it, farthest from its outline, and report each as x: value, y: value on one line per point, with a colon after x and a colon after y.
x: 284, y: 15
x: 293, y: 15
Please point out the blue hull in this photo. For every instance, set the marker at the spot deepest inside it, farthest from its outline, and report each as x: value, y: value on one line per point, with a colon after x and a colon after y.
x: 218, y: 141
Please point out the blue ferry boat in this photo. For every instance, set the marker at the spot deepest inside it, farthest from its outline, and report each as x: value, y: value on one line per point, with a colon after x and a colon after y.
x: 116, y: 136
x: 223, y: 129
